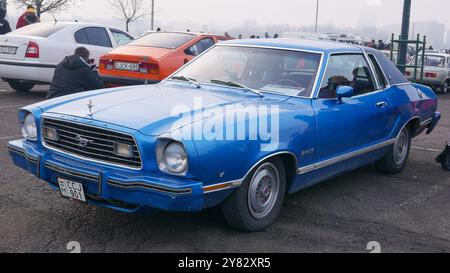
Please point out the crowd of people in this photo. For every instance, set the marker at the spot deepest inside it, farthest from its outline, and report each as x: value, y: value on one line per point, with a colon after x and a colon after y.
x: 27, y: 18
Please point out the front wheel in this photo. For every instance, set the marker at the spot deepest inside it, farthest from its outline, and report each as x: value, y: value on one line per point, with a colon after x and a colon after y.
x: 396, y: 158
x: 257, y: 203
x: 21, y: 86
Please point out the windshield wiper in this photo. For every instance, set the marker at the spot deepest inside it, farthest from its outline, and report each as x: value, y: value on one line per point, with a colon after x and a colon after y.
x: 238, y: 85
x: 187, y: 79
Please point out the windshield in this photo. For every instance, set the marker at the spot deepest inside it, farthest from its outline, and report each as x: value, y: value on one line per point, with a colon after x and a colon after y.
x: 43, y: 30
x: 287, y: 72
x: 163, y: 40
x: 431, y: 60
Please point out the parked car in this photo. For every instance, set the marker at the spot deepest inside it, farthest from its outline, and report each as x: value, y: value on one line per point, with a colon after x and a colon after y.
x: 29, y: 55
x: 153, y: 57
x: 331, y: 108
x: 436, y: 71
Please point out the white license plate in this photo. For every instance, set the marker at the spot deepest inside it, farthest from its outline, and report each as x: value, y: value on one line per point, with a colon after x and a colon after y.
x: 126, y: 66
x: 71, y: 190
x: 8, y: 50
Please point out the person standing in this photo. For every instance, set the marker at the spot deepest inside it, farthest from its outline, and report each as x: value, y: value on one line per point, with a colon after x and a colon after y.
x: 4, y: 24
x: 28, y: 18
x: 74, y: 74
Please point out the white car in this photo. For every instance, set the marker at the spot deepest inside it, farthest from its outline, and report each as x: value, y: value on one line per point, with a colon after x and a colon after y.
x: 29, y: 55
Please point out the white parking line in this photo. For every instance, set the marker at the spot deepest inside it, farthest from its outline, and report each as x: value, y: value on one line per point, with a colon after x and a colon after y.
x: 10, y: 137
x: 426, y: 149
x: 11, y: 106
x: 5, y: 91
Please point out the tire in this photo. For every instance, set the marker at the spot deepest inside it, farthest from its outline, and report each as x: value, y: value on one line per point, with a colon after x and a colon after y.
x: 21, y: 86
x: 445, y: 87
x: 257, y: 203
x: 396, y: 158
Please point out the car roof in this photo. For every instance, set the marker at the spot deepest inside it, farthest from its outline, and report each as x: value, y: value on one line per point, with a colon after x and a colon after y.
x: 186, y: 32
x: 297, y: 44
x: 436, y: 54
x: 72, y: 24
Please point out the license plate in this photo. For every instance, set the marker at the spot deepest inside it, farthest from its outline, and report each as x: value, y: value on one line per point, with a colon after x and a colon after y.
x: 126, y: 66
x: 8, y: 50
x: 71, y: 190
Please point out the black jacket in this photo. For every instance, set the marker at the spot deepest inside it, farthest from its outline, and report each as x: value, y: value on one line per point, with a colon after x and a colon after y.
x: 73, y: 75
x: 4, y: 27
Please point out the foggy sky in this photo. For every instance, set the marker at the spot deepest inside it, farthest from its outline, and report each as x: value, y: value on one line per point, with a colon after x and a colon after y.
x: 342, y: 13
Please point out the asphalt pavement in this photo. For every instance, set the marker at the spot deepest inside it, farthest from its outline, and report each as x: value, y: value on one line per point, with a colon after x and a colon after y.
x: 409, y: 212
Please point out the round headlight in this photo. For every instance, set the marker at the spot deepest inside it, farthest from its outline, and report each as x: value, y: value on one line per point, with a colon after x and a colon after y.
x: 29, y: 130
x: 175, y: 158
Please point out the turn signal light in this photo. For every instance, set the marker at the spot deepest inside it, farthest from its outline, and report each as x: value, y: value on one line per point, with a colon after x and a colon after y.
x: 149, y: 68
x: 107, y: 64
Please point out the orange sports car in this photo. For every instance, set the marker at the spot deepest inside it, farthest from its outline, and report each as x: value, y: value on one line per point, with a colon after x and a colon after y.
x: 153, y: 57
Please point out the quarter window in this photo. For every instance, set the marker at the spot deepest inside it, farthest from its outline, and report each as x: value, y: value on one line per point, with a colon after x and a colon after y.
x: 199, y: 47
x: 378, y: 71
x: 121, y: 37
x: 349, y: 70
x: 95, y: 36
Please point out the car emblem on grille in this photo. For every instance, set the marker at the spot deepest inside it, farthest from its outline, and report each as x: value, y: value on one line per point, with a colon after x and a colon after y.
x: 90, y: 106
x: 83, y: 142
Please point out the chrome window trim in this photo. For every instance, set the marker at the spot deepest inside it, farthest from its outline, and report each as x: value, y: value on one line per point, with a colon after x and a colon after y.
x: 388, y: 85
x: 90, y: 159
x: 362, y: 53
x: 313, y: 89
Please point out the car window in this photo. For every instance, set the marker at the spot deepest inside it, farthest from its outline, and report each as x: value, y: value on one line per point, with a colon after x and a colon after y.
x: 378, y: 71
x: 286, y: 72
x: 121, y: 37
x: 349, y: 70
x: 163, y: 40
x: 96, y: 36
x: 393, y: 74
x: 43, y: 30
x: 200, y: 47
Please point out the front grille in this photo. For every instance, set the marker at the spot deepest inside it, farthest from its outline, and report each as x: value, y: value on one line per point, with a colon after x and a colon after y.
x: 99, y: 146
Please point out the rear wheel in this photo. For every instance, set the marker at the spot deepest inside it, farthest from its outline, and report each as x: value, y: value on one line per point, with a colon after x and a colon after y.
x: 396, y: 158
x: 445, y: 87
x: 21, y: 86
x: 257, y: 203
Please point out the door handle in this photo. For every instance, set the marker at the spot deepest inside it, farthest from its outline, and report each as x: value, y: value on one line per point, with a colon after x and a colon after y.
x: 382, y: 104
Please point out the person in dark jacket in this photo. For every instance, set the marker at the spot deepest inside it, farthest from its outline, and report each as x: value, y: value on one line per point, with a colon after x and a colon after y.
x: 4, y: 25
x: 444, y: 158
x: 73, y: 75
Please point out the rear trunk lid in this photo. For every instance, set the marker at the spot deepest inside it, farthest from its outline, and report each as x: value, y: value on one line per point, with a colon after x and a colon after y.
x: 15, y: 47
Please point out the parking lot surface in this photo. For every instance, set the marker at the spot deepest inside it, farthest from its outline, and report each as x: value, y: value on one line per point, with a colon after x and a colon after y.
x: 409, y: 212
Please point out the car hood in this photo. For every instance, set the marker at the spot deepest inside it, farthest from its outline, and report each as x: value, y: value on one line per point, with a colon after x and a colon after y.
x: 152, y: 109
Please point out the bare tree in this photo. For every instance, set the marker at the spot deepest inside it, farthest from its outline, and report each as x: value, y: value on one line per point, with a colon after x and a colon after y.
x: 46, y: 6
x: 130, y: 10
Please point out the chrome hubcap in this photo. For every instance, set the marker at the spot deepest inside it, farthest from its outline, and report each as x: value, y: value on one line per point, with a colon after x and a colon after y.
x: 263, y: 191
x: 401, y: 147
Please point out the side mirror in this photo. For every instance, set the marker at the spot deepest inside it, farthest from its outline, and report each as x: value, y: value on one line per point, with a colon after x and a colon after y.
x: 344, y: 91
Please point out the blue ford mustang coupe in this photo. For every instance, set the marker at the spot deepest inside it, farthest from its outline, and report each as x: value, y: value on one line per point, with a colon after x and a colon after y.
x: 242, y: 125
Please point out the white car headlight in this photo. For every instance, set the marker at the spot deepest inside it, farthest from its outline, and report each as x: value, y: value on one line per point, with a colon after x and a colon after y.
x: 29, y: 129
x: 172, y: 157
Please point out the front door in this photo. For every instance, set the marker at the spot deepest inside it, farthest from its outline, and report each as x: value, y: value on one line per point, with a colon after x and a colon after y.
x: 355, y: 123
